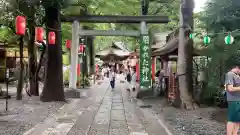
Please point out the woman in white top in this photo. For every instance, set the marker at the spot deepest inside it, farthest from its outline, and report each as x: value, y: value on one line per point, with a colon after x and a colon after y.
x: 133, y: 83
x: 112, y: 77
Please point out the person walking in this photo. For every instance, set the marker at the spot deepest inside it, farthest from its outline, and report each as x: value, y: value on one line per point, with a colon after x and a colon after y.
x: 232, y: 83
x: 112, y: 78
x: 133, y: 84
x: 128, y: 78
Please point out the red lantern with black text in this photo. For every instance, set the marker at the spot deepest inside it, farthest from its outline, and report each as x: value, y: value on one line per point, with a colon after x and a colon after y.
x: 81, y: 48
x: 68, y: 44
x: 51, y: 38
x: 20, y: 23
x: 39, y: 34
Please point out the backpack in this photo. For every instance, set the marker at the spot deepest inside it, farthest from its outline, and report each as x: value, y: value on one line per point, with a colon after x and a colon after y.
x: 129, y: 77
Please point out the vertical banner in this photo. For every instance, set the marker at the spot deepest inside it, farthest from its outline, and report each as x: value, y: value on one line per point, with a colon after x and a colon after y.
x: 145, y: 62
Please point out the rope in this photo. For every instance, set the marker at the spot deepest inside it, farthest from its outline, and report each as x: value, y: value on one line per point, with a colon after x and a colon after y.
x: 224, y: 32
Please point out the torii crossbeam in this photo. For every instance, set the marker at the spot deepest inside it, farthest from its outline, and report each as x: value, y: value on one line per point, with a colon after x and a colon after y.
x: 115, y: 19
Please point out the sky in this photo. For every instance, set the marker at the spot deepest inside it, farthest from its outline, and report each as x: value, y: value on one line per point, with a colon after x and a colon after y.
x: 198, y: 5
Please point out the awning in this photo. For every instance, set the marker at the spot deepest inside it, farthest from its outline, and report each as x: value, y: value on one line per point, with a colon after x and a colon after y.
x: 170, y: 47
x: 112, y: 51
x: 166, y: 48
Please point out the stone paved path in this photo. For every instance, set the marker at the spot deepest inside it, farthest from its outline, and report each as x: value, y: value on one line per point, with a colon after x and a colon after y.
x: 105, y: 112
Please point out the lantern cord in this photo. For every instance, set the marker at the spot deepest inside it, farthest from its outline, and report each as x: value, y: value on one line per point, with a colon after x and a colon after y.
x: 228, y: 32
x: 225, y: 32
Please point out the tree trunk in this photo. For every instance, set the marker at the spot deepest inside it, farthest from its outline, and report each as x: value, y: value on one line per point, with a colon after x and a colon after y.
x: 20, y: 79
x: 185, y: 50
x: 53, y: 84
x: 32, y: 56
x: 40, y: 64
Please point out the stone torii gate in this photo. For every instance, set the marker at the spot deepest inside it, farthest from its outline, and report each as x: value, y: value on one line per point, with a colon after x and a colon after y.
x: 77, y: 32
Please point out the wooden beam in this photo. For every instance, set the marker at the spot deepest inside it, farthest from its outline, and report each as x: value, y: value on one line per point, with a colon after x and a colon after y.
x: 108, y: 33
x: 115, y: 19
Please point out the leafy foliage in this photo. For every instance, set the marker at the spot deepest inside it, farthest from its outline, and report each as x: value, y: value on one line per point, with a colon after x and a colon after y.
x: 107, y: 7
x: 219, y: 17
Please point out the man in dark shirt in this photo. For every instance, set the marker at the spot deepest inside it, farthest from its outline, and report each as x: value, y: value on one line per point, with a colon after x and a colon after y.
x: 232, y: 83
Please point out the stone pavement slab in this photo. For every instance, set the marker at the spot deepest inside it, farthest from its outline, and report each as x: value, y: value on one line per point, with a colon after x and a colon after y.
x: 104, y: 112
x: 142, y: 121
x: 64, y: 120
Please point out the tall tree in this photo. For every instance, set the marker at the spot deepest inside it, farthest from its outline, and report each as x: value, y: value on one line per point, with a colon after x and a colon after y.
x: 21, y: 6
x: 185, y: 54
x: 53, y: 85
x: 32, y: 58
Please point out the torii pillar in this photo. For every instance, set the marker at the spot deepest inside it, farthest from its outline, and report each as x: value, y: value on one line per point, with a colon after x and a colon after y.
x: 74, y: 55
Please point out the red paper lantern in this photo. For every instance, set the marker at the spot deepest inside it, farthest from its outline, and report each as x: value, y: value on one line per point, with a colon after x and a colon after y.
x: 20, y: 25
x: 81, y: 48
x: 68, y: 44
x: 39, y: 34
x: 51, y: 38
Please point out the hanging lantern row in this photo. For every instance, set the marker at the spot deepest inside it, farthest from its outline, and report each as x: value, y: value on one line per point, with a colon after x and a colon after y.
x: 229, y: 39
x: 68, y: 44
x: 81, y: 46
x: 206, y: 39
x: 191, y: 36
x: 51, y: 38
x: 39, y: 34
x: 20, y: 24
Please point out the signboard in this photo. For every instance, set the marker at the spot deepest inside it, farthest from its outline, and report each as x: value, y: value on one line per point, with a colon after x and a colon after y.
x: 145, y: 62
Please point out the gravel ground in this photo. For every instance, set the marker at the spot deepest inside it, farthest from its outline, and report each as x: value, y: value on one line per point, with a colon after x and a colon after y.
x: 203, y: 121
x: 24, y: 114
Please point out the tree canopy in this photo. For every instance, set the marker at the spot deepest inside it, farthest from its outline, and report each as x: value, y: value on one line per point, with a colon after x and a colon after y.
x: 11, y: 8
x: 108, y: 7
x: 219, y: 18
